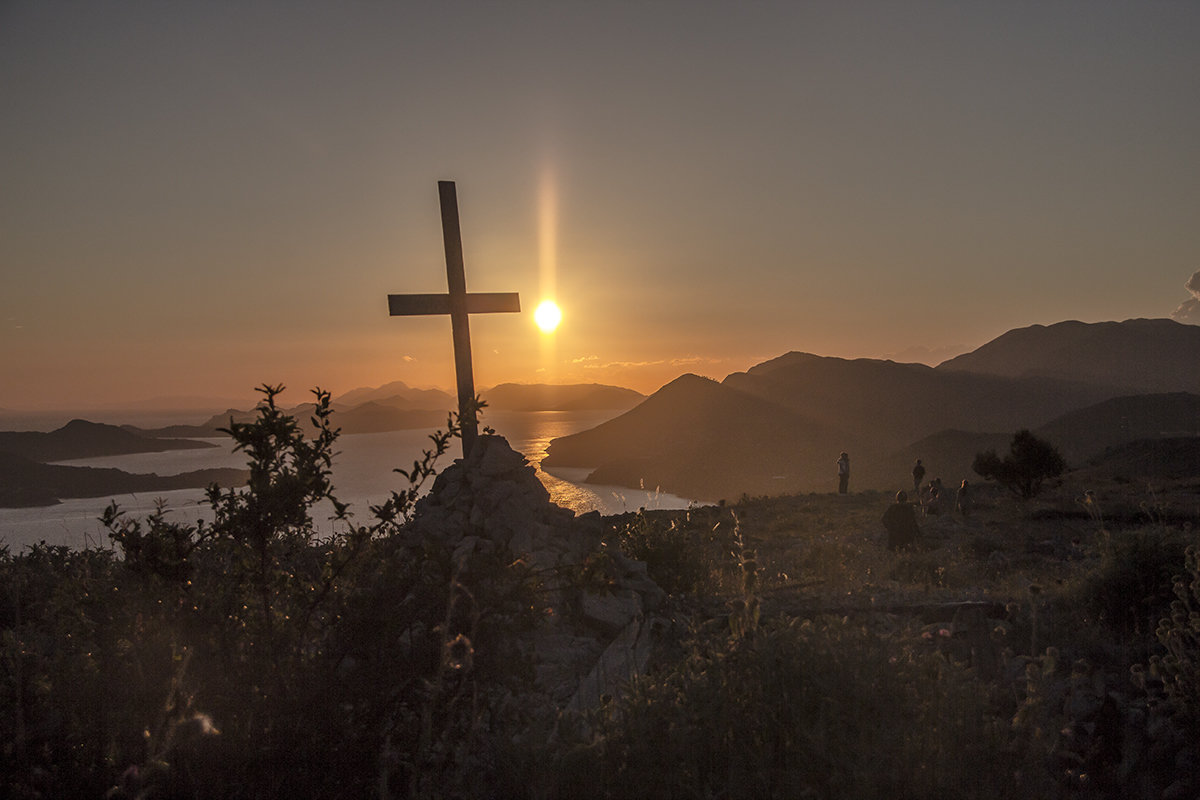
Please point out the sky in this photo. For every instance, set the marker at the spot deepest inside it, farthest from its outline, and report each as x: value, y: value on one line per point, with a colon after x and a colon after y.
x: 199, y: 198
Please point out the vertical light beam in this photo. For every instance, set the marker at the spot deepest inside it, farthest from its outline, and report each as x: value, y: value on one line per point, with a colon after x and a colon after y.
x: 548, y: 257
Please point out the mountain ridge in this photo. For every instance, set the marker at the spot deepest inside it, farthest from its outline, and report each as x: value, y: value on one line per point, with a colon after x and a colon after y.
x: 887, y: 413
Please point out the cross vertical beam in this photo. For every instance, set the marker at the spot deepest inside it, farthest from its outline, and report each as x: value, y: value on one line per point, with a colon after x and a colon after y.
x: 459, y: 305
x: 460, y: 321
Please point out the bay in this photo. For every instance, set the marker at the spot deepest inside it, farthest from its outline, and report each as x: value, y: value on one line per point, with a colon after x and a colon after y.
x: 362, y: 476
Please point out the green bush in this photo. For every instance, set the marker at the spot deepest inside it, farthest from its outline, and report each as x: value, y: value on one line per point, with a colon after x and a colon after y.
x: 1029, y: 462
x: 804, y: 709
x: 252, y: 656
x: 692, y: 557
x: 1179, y: 634
x: 1131, y: 587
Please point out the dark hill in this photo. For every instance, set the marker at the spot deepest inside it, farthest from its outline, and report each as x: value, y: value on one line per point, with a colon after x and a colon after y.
x: 695, y: 441
x: 1170, y: 459
x: 25, y: 483
x: 947, y: 454
x: 1081, y: 434
x: 82, y: 439
x: 570, y: 397
x: 891, y: 405
x: 379, y: 417
x: 397, y: 394
x: 1137, y: 355
x: 701, y: 439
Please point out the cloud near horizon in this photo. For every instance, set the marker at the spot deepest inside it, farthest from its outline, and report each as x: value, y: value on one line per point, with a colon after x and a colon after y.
x: 1189, y: 310
x: 592, y: 362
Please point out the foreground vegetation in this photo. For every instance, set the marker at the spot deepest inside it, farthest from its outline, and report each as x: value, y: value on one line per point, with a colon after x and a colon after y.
x: 1035, y: 648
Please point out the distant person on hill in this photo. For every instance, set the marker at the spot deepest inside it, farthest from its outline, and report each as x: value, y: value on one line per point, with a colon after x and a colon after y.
x: 962, y: 502
x: 918, y: 473
x: 900, y: 522
x: 933, y: 498
x: 843, y: 467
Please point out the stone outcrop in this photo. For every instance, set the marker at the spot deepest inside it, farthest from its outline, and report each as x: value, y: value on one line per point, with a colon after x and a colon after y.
x: 596, y: 637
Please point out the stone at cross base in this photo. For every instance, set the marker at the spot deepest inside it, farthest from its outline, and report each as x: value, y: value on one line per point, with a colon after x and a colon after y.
x: 492, y: 501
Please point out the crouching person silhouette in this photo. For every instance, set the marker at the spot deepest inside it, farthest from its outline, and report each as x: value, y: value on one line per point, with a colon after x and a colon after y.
x: 900, y: 522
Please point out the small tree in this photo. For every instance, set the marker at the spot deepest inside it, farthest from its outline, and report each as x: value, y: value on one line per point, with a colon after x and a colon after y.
x: 1030, y: 462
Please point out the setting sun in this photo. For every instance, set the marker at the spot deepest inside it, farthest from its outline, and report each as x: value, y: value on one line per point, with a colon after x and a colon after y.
x: 547, y: 316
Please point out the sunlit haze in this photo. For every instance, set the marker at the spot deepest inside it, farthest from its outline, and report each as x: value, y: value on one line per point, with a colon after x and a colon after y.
x: 199, y: 198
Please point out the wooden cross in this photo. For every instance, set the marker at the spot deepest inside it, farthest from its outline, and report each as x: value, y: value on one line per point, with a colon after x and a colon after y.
x: 459, y: 305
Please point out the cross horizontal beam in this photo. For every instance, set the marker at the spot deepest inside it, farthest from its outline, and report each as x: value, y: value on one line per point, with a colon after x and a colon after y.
x: 411, y: 305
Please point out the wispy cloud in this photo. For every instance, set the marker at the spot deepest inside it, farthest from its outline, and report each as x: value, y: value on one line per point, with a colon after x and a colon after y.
x: 593, y: 362
x: 1189, y: 310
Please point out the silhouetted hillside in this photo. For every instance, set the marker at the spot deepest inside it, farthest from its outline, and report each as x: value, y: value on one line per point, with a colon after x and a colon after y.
x: 572, y: 397
x: 82, y: 439
x: 701, y: 439
x: 1081, y: 434
x: 1142, y: 355
x: 369, y: 417
x: 25, y: 483
x: 693, y: 440
x: 946, y: 454
x: 399, y: 395
x: 1174, y: 459
x: 380, y: 417
x: 891, y: 405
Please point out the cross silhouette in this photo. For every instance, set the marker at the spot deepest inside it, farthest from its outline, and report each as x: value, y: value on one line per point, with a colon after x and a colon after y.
x: 459, y: 305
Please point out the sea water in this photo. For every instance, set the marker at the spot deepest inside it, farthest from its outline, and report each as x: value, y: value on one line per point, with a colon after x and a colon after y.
x: 363, y: 475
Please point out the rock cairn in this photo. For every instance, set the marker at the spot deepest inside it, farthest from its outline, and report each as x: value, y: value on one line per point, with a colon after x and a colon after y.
x: 592, y: 642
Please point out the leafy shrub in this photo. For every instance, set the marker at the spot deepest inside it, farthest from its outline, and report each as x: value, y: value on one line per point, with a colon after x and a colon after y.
x: 692, y: 557
x: 252, y: 656
x: 1179, y: 634
x: 1131, y: 588
x: 804, y: 709
x: 1029, y: 463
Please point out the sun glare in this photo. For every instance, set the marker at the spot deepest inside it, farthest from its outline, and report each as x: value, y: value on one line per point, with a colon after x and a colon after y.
x: 547, y: 316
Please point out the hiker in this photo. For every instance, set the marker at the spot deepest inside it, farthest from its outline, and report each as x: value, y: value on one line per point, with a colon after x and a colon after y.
x: 933, y: 499
x: 901, y: 523
x: 962, y: 501
x: 843, y: 467
x: 918, y: 473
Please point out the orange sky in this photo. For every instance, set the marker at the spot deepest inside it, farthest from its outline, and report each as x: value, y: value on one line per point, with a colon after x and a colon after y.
x: 198, y: 200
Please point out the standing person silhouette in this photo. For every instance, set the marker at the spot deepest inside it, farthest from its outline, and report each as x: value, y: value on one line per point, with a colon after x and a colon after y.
x: 962, y: 502
x: 901, y: 523
x: 918, y: 473
x: 843, y: 468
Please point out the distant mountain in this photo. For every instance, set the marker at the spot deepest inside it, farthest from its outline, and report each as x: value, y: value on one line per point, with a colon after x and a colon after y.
x: 25, y: 483
x: 82, y: 439
x: 1137, y: 355
x: 946, y: 454
x: 889, y: 405
x: 704, y: 440
x: 570, y: 397
x: 1167, y: 459
x: 1067, y: 383
x: 374, y: 417
x: 1082, y: 434
x: 369, y: 417
x: 400, y: 395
